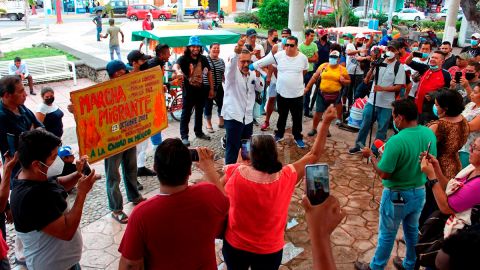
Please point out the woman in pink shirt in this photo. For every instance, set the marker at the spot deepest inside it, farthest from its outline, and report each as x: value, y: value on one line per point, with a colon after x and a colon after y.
x: 260, y: 192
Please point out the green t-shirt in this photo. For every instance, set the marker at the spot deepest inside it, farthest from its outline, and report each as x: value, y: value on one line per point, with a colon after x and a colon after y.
x: 113, y: 32
x: 308, y: 51
x: 400, y: 157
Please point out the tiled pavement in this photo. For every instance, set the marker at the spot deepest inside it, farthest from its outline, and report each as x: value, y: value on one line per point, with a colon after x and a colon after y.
x: 351, y: 182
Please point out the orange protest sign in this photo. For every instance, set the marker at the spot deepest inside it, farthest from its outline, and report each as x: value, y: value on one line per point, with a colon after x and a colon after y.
x: 118, y: 114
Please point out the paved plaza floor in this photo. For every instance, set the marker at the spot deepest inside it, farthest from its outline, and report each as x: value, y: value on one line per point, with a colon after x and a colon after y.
x: 352, y: 182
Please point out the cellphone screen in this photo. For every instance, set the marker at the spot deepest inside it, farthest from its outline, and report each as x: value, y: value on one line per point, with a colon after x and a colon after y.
x: 318, y: 184
x: 458, y: 75
x: 11, y: 144
x: 417, y: 54
x: 245, y: 149
x: 428, y: 148
x: 194, y: 155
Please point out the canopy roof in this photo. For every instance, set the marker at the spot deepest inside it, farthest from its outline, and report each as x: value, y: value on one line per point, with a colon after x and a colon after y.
x: 179, y: 38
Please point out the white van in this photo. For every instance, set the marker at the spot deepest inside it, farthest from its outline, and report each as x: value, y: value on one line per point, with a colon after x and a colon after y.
x: 12, y: 9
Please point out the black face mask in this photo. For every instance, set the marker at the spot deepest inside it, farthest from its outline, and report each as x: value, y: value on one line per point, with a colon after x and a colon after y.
x: 49, y: 101
x: 324, y: 38
x: 469, y: 76
x: 359, y: 44
x: 275, y: 40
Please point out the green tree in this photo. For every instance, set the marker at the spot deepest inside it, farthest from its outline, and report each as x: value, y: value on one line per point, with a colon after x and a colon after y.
x: 342, y: 11
x: 273, y: 14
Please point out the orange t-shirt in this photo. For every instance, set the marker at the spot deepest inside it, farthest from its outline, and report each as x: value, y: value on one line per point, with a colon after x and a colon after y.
x: 258, y: 207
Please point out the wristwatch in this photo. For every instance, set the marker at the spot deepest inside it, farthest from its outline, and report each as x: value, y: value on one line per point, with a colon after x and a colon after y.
x: 431, y: 183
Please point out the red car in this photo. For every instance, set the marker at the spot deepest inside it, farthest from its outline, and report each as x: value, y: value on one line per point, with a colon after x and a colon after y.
x: 140, y: 11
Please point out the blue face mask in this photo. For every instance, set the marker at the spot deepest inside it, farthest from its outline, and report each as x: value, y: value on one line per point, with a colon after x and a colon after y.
x: 414, y: 49
x: 435, y: 110
x: 333, y: 61
x: 433, y: 67
x: 395, y: 126
x: 474, y: 42
x: 284, y: 41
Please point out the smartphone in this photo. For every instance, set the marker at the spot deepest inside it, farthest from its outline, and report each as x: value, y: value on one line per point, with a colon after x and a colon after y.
x: 318, y: 183
x: 245, y: 150
x: 418, y: 54
x: 428, y: 149
x: 11, y: 141
x: 194, y: 155
x: 458, y: 75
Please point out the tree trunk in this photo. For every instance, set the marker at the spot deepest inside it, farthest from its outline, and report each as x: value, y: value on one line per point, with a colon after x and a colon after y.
x: 450, y: 23
x: 58, y: 9
x: 295, y: 22
x: 470, y: 11
x: 180, y: 11
x: 34, y: 10
x: 27, y: 15
x: 250, y: 6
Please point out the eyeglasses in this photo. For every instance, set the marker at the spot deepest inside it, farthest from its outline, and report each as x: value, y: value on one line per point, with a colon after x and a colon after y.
x: 473, y: 147
x: 290, y: 45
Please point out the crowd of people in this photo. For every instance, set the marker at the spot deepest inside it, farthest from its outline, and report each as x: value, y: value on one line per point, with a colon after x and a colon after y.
x: 428, y: 166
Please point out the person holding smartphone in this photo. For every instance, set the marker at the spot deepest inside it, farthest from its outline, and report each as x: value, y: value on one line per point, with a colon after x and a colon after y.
x: 253, y: 187
x: 403, y: 195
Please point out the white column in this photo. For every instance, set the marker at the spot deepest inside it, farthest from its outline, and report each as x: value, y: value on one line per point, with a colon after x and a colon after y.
x: 390, y: 12
x: 450, y: 28
x: 47, y: 7
x: 180, y: 11
x: 295, y: 18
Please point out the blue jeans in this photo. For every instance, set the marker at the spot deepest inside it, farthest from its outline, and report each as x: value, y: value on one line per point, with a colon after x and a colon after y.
x: 115, y: 48
x: 235, y: 132
x: 391, y: 215
x: 382, y: 116
x: 128, y: 160
x: 99, y: 31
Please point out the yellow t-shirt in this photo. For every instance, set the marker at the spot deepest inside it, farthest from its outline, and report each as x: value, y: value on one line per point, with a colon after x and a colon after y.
x: 330, y: 82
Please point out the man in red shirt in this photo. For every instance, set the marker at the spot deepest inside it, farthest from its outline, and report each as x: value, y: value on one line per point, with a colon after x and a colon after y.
x: 176, y: 229
x: 147, y: 25
x: 433, y: 78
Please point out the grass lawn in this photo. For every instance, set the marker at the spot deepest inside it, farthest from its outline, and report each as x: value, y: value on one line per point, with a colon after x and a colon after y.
x: 242, y: 28
x: 36, y: 52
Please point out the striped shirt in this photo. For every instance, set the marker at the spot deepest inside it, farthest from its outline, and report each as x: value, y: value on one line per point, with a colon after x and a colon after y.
x: 218, y: 70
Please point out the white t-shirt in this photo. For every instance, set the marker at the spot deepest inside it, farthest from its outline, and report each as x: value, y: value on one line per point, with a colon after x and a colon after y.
x: 353, y: 67
x: 387, y: 77
x: 45, y: 109
x: 414, y: 88
x: 290, y: 74
x: 259, y: 48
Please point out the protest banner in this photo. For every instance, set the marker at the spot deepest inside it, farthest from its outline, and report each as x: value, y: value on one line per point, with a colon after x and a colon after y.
x: 118, y: 114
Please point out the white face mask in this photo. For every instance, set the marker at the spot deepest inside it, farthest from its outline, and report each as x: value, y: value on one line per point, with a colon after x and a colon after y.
x: 55, y: 169
x: 390, y: 55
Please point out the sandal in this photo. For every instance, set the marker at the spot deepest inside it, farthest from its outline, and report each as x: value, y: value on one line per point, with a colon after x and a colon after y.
x: 221, y: 126
x: 120, y: 217
x: 210, y: 130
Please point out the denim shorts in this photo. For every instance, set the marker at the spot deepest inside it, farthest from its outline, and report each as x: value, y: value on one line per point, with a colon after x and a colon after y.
x: 272, y: 90
x: 322, y: 104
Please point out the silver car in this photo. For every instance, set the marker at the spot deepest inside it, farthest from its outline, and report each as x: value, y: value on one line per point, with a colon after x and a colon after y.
x: 442, y: 15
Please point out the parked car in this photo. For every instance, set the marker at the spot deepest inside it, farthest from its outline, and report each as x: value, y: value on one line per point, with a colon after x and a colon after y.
x: 140, y: 11
x: 119, y: 7
x: 408, y: 14
x: 324, y: 11
x: 442, y: 15
x: 14, y: 10
x: 187, y: 11
x: 39, y: 3
x: 360, y: 12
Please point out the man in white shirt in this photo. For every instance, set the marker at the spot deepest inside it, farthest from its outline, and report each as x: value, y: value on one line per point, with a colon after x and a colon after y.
x: 292, y: 65
x: 238, y: 100
x: 425, y: 49
x: 21, y: 69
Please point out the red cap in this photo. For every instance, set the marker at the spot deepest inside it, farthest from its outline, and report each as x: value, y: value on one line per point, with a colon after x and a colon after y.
x: 322, y: 32
x: 379, y: 144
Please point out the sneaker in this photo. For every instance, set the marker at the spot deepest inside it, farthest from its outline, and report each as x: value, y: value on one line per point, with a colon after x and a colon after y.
x: 361, y: 266
x: 398, y: 263
x: 300, y: 143
x: 265, y: 126
x: 33, y: 93
x: 139, y: 186
x: 186, y: 142
x: 143, y: 171
x: 278, y: 138
x: 223, y: 142
x: 312, y: 133
x: 203, y: 136
x: 354, y: 150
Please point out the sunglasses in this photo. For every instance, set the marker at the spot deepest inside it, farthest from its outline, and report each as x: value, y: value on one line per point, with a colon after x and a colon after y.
x: 290, y: 45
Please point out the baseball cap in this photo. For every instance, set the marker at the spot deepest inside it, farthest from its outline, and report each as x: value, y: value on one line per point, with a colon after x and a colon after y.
x: 287, y: 31
x: 322, y: 32
x: 395, y: 45
x: 334, y: 54
x: 114, y: 66
x: 65, y: 151
x: 465, y: 56
x: 251, y: 32
x: 360, y: 35
x: 350, y: 36
x: 476, y: 35
x: 136, y: 55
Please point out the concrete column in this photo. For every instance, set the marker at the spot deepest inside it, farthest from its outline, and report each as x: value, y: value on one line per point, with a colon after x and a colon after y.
x: 180, y: 11
x: 295, y: 18
x: 452, y: 12
x: 390, y: 12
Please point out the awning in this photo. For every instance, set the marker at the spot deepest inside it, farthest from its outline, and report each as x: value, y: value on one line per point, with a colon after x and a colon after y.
x: 179, y: 38
x: 352, y: 30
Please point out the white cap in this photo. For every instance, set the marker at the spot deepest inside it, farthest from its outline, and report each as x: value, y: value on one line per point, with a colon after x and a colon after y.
x: 476, y: 35
x: 335, y: 54
x: 360, y: 35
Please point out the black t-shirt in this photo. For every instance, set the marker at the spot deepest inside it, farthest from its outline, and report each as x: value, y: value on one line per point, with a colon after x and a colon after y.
x: 184, y: 63
x: 323, y: 54
x: 473, y: 51
x: 153, y: 62
x: 36, y: 204
x: 450, y: 62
